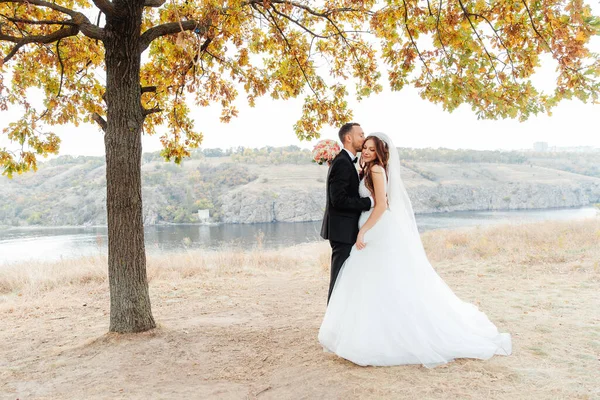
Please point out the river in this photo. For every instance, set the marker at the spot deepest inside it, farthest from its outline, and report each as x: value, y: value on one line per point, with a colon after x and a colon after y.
x: 51, y: 244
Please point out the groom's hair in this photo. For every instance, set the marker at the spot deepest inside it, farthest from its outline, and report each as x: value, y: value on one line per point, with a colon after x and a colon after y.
x: 345, y: 129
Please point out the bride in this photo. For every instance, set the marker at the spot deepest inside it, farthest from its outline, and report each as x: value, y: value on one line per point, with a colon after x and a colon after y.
x: 388, y: 305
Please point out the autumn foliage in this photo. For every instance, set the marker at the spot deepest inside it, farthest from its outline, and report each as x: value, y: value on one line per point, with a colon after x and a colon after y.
x: 206, y: 52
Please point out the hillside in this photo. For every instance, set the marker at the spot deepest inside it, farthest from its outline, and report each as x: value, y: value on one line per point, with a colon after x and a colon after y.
x: 74, y: 192
x: 281, y: 184
x: 297, y: 193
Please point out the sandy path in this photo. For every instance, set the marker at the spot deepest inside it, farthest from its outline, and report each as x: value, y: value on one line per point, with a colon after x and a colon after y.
x: 252, y: 334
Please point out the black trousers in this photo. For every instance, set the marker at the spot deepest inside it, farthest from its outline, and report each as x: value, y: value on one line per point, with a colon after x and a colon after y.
x: 339, y: 254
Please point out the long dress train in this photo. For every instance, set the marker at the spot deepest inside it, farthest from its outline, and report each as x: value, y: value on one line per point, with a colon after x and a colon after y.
x: 390, y: 307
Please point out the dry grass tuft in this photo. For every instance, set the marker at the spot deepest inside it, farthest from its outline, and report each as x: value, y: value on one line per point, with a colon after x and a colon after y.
x: 226, y: 263
x: 548, y: 243
x: 44, y: 276
x: 32, y: 278
x: 529, y: 244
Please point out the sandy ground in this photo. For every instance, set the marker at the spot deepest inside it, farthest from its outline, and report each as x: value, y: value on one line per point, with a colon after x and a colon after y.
x: 246, y: 328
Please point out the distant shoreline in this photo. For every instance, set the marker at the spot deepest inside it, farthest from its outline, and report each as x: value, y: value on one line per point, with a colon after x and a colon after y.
x: 43, y: 227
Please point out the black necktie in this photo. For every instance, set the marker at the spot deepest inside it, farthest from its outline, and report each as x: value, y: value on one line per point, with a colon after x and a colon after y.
x: 355, y: 160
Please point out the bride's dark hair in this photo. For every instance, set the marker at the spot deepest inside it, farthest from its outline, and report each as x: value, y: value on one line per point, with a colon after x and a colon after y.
x: 382, y: 156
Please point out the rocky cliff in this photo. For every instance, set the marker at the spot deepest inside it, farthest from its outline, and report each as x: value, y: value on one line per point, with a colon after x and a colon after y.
x: 73, y: 193
x: 297, y: 193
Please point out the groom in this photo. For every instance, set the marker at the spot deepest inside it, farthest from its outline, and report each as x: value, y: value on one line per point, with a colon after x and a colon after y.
x: 344, y: 205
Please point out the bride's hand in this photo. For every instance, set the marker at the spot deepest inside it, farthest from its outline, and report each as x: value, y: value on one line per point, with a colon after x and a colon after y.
x: 360, y: 240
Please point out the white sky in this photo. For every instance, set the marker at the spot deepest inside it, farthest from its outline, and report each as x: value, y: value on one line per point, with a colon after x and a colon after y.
x: 408, y: 119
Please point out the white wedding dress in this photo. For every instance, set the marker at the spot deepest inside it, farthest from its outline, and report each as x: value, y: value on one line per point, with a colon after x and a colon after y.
x: 390, y: 307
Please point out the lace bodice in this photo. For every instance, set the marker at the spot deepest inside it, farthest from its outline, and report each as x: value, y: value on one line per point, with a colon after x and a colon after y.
x: 362, y: 187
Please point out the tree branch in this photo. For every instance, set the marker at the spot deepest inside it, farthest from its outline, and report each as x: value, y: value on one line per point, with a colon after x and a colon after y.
x: 52, y: 37
x: 99, y: 120
x: 437, y: 27
x: 77, y: 19
x: 508, y: 53
x: 309, y: 9
x: 412, y: 40
x: 34, y: 22
x: 290, y: 48
x: 21, y: 41
x: 87, y: 28
x: 429, y: 8
x: 169, y: 29
x: 340, y: 32
x: 154, y: 3
x: 62, y: 67
x: 106, y: 6
x: 474, y: 29
x: 43, y: 3
x: 148, y: 89
x: 192, y: 64
x: 537, y: 32
x: 201, y: 28
x: 299, y: 24
x: 148, y: 111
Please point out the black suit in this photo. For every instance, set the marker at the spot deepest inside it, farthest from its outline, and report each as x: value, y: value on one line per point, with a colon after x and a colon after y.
x: 342, y: 211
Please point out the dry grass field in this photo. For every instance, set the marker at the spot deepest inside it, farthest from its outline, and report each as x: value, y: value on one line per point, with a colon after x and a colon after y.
x: 243, y: 325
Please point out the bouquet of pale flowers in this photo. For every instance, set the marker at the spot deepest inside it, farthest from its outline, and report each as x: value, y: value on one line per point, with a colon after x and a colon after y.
x: 325, y: 151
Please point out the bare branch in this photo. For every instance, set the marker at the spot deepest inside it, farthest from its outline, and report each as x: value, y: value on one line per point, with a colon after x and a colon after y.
x: 169, y: 29
x: 106, y: 6
x: 148, y: 111
x: 154, y: 3
x: 148, y: 89
x: 99, y: 120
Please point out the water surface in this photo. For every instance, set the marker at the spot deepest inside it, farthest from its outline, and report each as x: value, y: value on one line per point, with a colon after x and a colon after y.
x: 50, y: 244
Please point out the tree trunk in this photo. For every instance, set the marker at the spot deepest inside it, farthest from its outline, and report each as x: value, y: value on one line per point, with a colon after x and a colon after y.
x: 130, y: 309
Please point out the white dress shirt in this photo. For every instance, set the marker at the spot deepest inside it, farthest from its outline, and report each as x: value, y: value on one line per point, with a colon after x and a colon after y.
x: 352, y: 155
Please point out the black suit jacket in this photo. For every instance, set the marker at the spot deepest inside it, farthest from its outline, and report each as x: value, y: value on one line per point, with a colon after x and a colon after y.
x: 344, y: 205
